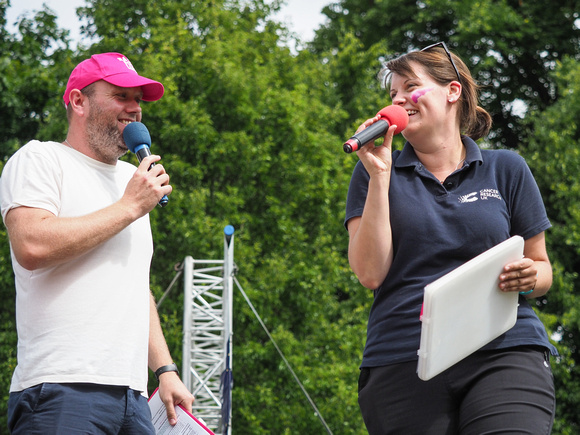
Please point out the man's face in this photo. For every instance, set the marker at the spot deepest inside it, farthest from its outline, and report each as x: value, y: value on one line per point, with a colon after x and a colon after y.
x: 111, y: 108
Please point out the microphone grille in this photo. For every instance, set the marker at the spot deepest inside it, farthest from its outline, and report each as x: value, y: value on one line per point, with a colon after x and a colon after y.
x: 396, y: 115
x: 136, y: 134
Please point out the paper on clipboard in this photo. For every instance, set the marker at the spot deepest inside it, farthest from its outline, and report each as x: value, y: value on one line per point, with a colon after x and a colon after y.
x: 464, y: 309
x: 187, y: 424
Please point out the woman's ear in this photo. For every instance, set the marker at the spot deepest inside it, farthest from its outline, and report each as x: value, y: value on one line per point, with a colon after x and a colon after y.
x: 454, y: 91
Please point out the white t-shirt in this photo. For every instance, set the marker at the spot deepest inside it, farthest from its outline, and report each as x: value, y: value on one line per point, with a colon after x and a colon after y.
x: 86, y: 320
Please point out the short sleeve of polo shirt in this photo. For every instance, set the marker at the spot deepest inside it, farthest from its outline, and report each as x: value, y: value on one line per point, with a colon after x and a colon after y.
x: 526, y: 208
x: 357, y: 192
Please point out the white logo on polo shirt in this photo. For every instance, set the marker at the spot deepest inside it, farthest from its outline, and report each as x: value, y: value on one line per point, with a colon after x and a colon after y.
x: 484, y: 194
x: 490, y: 193
x: 470, y: 197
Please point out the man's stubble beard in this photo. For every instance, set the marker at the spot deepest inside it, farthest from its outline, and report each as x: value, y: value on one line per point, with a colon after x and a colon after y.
x: 104, y: 137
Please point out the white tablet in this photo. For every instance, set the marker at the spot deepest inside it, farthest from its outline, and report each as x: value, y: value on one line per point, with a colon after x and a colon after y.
x: 465, y: 309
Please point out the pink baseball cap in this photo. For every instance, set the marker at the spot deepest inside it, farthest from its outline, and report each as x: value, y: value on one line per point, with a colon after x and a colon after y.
x: 113, y: 68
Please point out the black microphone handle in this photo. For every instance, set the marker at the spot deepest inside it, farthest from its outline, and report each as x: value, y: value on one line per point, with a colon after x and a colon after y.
x: 141, y: 153
x: 367, y: 135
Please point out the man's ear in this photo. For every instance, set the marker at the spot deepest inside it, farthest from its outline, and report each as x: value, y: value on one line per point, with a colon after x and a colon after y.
x: 78, y: 102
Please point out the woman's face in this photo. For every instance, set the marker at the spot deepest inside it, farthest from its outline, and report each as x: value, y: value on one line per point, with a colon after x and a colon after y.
x: 426, y: 101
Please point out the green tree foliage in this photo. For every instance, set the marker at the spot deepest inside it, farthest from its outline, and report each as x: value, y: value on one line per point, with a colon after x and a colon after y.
x: 29, y: 79
x: 29, y: 75
x: 240, y: 132
x: 510, y: 45
x: 554, y: 156
x: 514, y: 50
x: 251, y: 135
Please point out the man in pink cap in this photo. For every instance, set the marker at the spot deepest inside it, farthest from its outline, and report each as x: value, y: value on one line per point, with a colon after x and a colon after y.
x: 81, y: 244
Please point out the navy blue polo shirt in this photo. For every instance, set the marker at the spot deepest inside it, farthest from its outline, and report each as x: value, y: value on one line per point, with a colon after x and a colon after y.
x: 437, y: 227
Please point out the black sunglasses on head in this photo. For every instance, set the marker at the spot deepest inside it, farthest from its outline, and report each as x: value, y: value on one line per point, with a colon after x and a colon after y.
x: 442, y: 44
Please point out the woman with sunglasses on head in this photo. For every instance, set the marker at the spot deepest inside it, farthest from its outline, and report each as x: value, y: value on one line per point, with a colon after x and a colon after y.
x: 416, y: 214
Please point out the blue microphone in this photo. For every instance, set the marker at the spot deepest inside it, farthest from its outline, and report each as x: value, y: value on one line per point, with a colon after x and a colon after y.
x: 138, y: 140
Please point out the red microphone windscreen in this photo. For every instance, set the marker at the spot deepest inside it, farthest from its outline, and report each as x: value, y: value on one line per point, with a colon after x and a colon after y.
x: 395, y: 115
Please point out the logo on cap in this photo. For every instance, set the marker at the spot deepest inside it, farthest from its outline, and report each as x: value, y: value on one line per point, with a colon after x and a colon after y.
x: 127, y: 63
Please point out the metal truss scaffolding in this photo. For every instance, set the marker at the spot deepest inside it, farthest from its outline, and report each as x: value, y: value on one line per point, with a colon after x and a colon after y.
x: 207, y: 342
